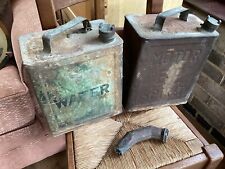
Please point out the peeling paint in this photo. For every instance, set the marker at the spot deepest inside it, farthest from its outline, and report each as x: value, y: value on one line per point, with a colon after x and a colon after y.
x: 172, y: 75
x: 138, y: 75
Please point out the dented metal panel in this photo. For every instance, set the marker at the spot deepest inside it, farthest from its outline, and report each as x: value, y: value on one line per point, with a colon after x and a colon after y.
x: 161, y: 67
x: 79, y: 80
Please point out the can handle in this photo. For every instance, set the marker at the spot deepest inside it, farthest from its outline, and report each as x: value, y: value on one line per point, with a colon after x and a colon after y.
x: 57, y: 33
x: 160, y: 19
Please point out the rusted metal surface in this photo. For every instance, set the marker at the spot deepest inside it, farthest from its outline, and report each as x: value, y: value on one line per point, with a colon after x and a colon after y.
x: 161, y: 67
x: 139, y: 135
x: 79, y: 78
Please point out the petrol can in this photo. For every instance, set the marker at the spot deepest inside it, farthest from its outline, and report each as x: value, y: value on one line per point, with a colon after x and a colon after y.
x: 163, y: 57
x: 76, y: 72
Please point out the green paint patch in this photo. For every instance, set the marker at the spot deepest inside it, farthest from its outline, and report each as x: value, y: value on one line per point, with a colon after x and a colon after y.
x: 73, y: 94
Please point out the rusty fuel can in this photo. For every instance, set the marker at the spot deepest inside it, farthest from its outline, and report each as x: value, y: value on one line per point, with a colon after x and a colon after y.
x: 162, y: 61
x: 76, y: 72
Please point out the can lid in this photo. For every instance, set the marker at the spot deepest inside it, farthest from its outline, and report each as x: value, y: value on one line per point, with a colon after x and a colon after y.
x: 172, y: 28
x: 65, y: 45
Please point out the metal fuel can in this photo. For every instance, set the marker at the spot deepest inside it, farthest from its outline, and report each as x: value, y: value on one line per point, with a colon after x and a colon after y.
x: 76, y: 72
x: 163, y: 57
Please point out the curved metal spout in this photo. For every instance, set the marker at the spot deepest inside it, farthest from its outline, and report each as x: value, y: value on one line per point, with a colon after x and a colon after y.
x: 145, y: 133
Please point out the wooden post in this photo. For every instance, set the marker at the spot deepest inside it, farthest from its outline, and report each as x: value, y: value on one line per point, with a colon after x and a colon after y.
x: 154, y: 6
x: 70, y: 150
x: 47, y: 14
x: 47, y: 9
x: 100, y: 9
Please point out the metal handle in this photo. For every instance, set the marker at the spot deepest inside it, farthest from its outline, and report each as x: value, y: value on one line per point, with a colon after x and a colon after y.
x: 160, y: 19
x: 63, y: 30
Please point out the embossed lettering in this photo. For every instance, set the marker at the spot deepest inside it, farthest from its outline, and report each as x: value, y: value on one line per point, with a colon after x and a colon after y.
x: 104, y: 88
x: 61, y: 102
x: 68, y: 101
x: 168, y: 56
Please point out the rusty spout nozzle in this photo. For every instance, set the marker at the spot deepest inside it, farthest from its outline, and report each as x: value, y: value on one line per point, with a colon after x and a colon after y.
x: 145, y: 133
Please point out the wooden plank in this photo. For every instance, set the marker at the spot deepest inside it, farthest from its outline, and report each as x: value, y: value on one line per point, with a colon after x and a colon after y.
x: 85, y: 9
x: 70, y: 150
x: 169, y: 4
x: 215, y: 156
x: 195, y: 162
x: 59, y: 4
x: 157, y: 6
x: 47, y: 14
x: 215, y: 8
x: 154, y: 6
x: 190, y: 126
x: 117, y: 9
x: 195, y: 145
x: 47, y: 9
x: 100, y: 9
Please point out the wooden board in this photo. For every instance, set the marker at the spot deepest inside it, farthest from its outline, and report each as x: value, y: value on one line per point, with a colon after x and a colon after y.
x: 169, y: 4
x: 116, y: 10
x: 85, y: 9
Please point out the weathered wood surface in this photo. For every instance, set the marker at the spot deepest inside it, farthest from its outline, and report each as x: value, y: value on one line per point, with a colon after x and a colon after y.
x: 182, y: 143
x: 85, y: 9
x: 116, y: 10
x: 169, y: 4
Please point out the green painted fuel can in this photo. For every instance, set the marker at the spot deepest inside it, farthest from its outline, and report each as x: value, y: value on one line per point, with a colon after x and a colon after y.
x: 76, y: 72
